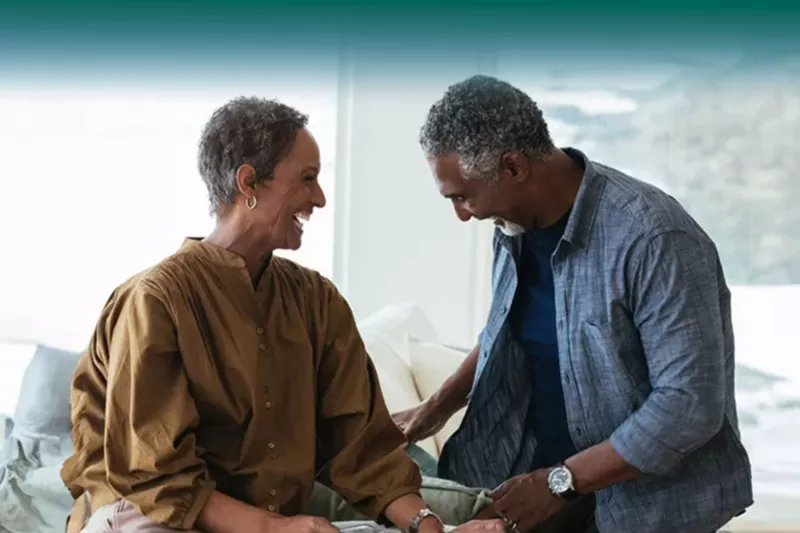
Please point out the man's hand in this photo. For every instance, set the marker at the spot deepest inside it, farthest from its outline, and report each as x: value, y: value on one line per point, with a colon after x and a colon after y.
x: 297, y: 524
x: 526, y: 500
x: 420, y: 422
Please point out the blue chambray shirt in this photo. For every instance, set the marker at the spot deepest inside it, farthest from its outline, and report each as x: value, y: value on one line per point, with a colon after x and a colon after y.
x: 647, y: 360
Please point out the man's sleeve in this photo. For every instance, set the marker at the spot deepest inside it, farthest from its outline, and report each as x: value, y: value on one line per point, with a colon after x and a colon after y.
x: 676, y: 283
x: 150, y: 418
x: 361, y: 445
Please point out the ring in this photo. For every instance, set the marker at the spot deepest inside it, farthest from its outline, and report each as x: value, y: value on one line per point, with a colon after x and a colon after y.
x: 511, y: 526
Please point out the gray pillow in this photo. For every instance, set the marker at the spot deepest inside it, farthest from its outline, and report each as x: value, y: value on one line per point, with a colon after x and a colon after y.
x: 43, y: 405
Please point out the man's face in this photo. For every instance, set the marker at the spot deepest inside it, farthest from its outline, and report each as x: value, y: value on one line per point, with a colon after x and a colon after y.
x: 477, y: 198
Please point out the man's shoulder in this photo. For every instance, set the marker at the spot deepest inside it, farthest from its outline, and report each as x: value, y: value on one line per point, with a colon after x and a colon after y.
x: 644, y: 208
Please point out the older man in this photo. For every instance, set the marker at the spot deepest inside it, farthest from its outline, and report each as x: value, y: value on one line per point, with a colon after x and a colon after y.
x: 606, y: 366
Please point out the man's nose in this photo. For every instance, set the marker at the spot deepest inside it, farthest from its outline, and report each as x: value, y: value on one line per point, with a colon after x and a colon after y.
x: 463, y: 214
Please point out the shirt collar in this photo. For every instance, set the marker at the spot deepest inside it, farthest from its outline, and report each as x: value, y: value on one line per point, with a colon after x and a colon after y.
x: 584, y: 209
x: 217, y: 254
x: 587, y: 201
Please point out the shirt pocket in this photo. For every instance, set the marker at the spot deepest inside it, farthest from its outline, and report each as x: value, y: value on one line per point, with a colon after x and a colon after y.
x: 617, y: 373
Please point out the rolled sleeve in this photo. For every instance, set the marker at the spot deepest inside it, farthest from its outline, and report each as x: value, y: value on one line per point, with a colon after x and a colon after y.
x: 676, y: 294
x: 362, y: 448
x: 149, y: 440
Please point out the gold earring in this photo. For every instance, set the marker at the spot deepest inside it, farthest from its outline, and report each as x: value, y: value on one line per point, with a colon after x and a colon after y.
x: 251, y: 202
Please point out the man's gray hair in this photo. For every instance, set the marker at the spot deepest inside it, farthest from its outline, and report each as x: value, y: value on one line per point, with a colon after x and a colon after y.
x: 479, y: 120
x: 250, y: 130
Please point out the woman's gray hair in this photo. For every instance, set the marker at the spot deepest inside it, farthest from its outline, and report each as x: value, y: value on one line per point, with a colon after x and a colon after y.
x: 251, y: 131
x: 479, y: 120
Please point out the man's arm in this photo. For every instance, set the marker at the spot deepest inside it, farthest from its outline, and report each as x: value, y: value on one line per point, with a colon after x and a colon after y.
x: 453, y: 393
x: 676, y: 307
x: 150, y: 421
x: 430, y: 416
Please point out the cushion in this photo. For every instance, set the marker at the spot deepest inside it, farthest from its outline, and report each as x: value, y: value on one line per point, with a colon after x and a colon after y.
x: 386, y: 334
x: 397, y: 322
x: 431, y: 365
x: 454, y: 503
x: 14, y: 359
x: 43, y: 405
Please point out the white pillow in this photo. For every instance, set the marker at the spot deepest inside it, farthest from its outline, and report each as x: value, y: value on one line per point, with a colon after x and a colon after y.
x: 431, y: 365
x: 397, y: 322
x: 14, y: 359
x: 386, y: 335
x: 397, y: 383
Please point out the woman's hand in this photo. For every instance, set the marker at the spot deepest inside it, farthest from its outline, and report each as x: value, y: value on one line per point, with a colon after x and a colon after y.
x: 297, y: 524
x: 482, y: 526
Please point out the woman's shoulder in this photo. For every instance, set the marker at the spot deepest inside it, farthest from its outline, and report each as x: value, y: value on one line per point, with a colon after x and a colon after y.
x: 166, y: 280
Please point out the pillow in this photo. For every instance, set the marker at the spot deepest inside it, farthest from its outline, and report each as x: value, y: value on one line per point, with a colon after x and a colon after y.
x: 396, y: 322
x: 43, y: 405
x: 431, y: 365
x: 14, y: 358
x: 397, y: 383
x: 386, y: 335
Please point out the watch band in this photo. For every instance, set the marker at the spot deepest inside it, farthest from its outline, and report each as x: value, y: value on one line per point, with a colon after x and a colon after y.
x: 423, y: 513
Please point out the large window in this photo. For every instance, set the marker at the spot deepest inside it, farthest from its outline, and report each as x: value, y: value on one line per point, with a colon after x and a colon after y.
x: 721, y: 135
x: 101, y: 183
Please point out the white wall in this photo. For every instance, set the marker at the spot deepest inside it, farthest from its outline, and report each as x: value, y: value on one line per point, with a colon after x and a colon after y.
x: 396, y: 239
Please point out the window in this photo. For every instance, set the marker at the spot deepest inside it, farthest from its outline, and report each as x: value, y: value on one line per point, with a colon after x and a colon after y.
x: 100, y: 184
x: 722, y: 139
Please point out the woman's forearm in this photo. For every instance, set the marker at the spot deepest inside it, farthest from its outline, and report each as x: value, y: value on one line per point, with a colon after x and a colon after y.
x: 223, y: 514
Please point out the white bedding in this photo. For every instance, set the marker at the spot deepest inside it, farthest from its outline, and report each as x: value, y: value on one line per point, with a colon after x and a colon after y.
x: 32, y: 496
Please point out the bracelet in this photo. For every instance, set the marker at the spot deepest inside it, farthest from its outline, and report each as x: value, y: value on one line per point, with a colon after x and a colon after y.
x: 423, y: 513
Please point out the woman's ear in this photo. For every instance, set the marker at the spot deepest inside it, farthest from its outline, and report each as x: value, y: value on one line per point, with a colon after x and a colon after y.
x: 246, y: 180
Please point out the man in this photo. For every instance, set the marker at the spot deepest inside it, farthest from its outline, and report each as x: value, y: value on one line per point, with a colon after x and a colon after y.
x: 606, y: 366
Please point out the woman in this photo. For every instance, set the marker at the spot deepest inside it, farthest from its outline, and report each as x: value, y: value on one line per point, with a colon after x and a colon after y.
x: 219, y: 384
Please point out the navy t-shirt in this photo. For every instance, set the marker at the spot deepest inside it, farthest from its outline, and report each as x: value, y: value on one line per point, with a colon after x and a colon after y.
x: 534, y: 325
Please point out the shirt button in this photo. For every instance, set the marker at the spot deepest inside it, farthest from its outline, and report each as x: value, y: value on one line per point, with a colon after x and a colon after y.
x: 567, y: 379
x: 503, y: 309
x: 273, y: 492
x: 268, y: 405
x: 578, y: 432
x: 260, y: 331
x: 271, y: 508
x: 262, y: 346
x: 271, y: 446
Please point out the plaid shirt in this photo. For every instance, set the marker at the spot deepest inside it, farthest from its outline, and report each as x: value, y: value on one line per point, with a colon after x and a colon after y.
x: 647, y: 360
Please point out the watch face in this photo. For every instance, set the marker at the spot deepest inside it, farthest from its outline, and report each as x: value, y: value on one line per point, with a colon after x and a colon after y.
x: 560, y: 480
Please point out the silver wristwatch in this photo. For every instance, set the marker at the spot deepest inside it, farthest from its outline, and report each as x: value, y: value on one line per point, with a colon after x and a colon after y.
x: 423, y: 513
x: 560, y: 482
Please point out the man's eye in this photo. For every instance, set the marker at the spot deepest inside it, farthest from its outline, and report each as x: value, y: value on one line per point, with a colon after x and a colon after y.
x: 310, y: 178
x: 458, y: 198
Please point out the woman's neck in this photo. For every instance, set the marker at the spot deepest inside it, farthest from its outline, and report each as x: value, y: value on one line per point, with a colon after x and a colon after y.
x: 242, y: 241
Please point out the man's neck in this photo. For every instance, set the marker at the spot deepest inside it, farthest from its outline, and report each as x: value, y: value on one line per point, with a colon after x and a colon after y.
x: 559, y: 188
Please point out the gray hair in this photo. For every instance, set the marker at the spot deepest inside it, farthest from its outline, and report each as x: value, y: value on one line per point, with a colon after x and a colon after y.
x: 251, y: 131
x: 479, y: 120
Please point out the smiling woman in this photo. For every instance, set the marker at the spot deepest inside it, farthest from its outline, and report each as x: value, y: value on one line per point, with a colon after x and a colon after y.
x: 105, y: 183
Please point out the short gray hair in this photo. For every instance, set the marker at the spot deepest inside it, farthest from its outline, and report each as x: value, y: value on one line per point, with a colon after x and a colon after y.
x: 251, y: 131
x: 479, y: 120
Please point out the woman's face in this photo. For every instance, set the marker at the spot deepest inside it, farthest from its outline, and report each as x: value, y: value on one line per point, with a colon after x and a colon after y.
x: 286, y: 202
